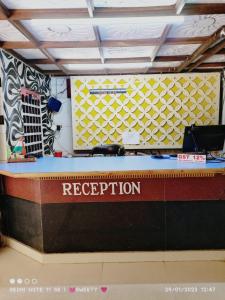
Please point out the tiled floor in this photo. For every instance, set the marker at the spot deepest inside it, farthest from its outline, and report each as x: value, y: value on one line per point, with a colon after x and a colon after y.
x: 133, y: 281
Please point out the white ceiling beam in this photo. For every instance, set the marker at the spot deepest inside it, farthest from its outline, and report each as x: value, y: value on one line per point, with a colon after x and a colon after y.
x: 98, y: 39
x: 161, y: 42
x: 179, y: 6
x: 91, y: 8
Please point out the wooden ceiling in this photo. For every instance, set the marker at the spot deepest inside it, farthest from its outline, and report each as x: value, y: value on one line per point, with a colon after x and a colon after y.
x: 115, y: 37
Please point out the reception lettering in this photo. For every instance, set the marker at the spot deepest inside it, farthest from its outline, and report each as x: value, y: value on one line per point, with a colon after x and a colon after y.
x: 101, y: 188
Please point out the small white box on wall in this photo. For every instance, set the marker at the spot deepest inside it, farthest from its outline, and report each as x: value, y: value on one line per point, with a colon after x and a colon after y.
x: 131, y: 138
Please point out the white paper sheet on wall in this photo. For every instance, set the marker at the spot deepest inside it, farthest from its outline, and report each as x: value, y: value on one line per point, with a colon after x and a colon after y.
x: 131, y: 138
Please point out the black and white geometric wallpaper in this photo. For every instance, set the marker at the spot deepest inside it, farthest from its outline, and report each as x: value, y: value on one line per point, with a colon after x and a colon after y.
x: 16, y: 74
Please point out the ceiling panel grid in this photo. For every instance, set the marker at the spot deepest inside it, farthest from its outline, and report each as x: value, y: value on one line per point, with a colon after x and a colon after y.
x: 60, y: 36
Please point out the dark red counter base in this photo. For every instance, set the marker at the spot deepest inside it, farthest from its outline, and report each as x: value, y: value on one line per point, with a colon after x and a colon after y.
x: 116, y: 226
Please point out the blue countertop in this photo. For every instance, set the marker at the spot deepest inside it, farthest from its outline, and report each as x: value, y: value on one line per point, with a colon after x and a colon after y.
x: 52, y: 165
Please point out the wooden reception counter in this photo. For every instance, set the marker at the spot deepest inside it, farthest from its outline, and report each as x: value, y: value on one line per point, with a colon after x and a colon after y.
x: 114, y: 204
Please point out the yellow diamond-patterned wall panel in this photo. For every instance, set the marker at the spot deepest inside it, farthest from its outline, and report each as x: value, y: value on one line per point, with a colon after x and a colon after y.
x: 158, y: 107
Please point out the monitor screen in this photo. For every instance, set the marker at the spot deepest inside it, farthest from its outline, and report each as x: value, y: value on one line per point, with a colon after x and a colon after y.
x: 204, y: 138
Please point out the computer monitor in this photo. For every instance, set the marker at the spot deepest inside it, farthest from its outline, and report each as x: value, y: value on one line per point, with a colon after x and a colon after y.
x: 204, y: 139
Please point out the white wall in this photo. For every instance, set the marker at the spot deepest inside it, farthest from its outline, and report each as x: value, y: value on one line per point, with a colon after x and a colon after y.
x: 63, y: 138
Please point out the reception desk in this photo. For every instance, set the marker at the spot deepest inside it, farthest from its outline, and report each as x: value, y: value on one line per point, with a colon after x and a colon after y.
x: 126, y: 203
